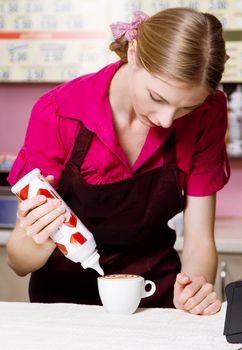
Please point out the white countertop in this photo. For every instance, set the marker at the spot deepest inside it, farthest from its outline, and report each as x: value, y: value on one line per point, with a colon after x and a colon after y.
x: 25, y: 326
x: 228, y: 236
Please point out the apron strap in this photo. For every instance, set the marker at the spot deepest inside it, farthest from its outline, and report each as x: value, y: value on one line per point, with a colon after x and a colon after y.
x: 81, y: 145
x: 170, y: 149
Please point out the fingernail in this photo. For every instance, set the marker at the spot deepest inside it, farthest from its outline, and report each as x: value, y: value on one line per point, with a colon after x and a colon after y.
x: 63, y: 218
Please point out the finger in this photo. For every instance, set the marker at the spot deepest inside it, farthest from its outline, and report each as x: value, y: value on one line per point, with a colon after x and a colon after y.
x: 212, y: 308
x: 190, y: 290
x: 29, y: 204
x: 43, y: 235
x: 202, y: 293
x: 182, y: 278
x: 40, y: 211
x: 45, y: 219
x: 205, y: 303
x: 50, y: 178
x: 181, y: 281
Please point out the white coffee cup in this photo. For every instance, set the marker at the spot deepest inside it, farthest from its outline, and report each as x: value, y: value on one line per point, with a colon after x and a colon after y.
x: 121, y: 294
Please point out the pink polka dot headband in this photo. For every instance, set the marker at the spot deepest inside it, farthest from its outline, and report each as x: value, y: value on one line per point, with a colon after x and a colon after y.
x: 129, y: 30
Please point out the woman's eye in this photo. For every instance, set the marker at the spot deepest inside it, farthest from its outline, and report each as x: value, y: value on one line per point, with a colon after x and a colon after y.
x: 189, y: 109
x: 154, y: 99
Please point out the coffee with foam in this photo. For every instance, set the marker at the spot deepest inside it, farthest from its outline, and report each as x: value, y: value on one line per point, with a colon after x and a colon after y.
x: 118, y: 276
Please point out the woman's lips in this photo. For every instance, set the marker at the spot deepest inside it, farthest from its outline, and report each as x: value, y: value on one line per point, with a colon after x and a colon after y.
x: 146, y: 121
x: 151, y: 123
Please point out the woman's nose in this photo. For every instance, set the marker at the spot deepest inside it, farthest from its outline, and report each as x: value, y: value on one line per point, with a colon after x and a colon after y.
x: 166, y: 116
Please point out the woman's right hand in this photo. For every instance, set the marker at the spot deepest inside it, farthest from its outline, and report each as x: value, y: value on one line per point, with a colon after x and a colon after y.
x: 39, y: 217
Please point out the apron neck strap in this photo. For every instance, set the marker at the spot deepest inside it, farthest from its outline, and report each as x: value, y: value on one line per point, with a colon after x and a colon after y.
x: 81, y: 145
x: 170, y: 149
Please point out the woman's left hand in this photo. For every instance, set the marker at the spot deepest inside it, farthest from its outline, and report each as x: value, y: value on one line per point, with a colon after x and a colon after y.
x: 195, y: 295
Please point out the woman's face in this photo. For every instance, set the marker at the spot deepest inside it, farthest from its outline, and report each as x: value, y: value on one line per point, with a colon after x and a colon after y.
x: 159, y: 101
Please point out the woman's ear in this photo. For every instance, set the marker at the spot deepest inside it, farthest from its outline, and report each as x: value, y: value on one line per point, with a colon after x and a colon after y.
x: 131, y: 54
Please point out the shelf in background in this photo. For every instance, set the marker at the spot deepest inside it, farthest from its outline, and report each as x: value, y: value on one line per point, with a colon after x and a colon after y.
x: 228, y: 236
x: 233, y: 156
x: 4, y: 234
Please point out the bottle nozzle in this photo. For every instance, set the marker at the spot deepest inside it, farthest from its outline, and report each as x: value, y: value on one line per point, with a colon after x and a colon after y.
x: 98, y: 268
x: 93, y: 262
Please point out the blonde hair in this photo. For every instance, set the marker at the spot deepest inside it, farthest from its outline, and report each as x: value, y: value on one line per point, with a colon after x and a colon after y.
x: 182, y: 44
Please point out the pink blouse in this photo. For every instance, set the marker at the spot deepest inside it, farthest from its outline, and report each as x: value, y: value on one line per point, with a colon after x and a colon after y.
x: 55, y: 122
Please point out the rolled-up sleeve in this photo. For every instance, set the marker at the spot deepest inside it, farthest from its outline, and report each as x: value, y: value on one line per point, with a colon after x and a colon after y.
x: 43, y: 146
x: 210, y: 167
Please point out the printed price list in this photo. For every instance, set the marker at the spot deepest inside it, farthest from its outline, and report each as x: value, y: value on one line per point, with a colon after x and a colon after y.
x: 52, y: 40
x: 56, y: 40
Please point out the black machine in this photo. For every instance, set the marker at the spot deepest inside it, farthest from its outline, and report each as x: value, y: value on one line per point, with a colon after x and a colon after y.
x: 233, y: 318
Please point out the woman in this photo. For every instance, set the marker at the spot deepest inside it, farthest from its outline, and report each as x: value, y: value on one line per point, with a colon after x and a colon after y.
x: 128, y: 148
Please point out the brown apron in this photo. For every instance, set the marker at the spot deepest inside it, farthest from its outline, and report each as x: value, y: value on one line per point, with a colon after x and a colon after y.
x: 128, y: 219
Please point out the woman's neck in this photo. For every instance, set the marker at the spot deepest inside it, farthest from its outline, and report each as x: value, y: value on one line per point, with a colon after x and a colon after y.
x: 130, y: 132
x: 119, y: 95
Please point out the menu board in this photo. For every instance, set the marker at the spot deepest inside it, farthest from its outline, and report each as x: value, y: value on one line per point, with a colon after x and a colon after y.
x: 228, y: 11
x: 52, y: 40
x: 56, y: 40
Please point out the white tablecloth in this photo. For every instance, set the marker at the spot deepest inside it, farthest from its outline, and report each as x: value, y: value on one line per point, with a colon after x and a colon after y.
x: 25, y: 326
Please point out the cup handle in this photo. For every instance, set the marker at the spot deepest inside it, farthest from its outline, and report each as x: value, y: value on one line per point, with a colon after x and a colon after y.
x: 146, y: 294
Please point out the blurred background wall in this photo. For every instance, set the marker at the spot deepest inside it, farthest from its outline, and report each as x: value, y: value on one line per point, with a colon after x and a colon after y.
x: 43, y: 43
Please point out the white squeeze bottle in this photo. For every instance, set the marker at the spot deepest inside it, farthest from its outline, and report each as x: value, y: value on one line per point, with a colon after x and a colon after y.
x: 74, y: 240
